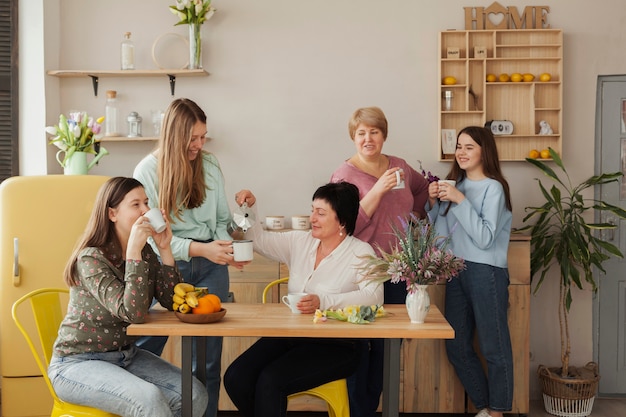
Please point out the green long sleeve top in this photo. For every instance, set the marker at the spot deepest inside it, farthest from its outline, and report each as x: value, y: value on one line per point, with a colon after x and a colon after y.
x: 112, y: 293
x: 208, y: 221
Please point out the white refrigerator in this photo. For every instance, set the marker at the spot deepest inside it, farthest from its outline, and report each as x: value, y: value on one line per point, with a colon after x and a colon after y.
x: 41, y: 219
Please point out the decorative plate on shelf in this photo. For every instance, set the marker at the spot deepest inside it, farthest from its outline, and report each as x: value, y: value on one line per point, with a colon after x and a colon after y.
x: 170, y: 51
x: 201, y: 318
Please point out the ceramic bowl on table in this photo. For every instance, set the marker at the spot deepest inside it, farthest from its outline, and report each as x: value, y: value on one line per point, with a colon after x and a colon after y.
x: 201, y: 318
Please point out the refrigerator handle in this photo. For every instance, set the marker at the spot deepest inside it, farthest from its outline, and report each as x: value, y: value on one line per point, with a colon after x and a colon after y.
x: 16, y: 263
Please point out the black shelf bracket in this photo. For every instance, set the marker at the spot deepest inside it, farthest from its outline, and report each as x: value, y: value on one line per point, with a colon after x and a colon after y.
x: 172, y: 83
x: 94, y: 81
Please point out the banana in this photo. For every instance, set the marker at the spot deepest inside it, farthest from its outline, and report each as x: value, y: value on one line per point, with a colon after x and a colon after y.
x: 178, y: 299
x: 191, y: 299
x: 182, y: 288
x: 175, y: 306
x: 184, y: 308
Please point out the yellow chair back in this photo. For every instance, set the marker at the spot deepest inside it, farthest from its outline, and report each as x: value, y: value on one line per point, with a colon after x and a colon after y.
x: 47, y: 315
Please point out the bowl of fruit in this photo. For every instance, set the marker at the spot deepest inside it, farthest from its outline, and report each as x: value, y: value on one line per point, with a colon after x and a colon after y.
x: 196, y: 305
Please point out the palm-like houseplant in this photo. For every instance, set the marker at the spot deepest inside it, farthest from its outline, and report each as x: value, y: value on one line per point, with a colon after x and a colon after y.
x: 562, y: 236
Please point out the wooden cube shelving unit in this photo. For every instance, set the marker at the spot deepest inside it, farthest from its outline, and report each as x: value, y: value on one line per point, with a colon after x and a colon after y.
x: 525, y: 104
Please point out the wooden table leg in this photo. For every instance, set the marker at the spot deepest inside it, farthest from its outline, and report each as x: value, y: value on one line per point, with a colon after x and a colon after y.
x: 391, y: 378
x: 187, y: 374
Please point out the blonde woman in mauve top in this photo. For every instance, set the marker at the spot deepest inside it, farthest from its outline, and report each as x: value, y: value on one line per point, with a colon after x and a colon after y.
x: 113, y: 276
x: 381, y: 207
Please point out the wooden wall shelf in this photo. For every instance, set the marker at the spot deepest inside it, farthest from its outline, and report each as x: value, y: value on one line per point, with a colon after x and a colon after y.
x: 525, y: 104
x: 96, y: 74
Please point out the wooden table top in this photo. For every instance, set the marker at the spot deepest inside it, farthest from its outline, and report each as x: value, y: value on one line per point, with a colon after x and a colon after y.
x: 276, y: 320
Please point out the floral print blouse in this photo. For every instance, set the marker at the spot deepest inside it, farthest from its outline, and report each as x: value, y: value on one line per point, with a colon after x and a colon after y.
x: 112, y: 294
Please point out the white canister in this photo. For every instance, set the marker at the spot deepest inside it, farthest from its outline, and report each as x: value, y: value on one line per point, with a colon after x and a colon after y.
x: 275, y: 222
x: 300, y: 222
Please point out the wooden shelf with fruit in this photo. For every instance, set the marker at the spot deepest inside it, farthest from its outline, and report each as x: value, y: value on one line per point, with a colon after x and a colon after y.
x: 503, y: 75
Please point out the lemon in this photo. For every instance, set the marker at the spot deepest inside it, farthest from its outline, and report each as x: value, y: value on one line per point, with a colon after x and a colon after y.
x: 545, y: 77
x: 528, y: 77
x: 449, y: 80
x: 516, y: 77
x: 504, y: 78
x: 545, y: 154
x: 534, y: 154
x: 491, y: 78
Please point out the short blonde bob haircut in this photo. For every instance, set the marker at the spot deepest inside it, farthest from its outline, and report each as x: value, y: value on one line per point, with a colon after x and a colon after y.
x: 370, y: 116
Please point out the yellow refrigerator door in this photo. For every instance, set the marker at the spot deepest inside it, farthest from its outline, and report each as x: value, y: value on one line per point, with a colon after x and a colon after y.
x: 41, y: 218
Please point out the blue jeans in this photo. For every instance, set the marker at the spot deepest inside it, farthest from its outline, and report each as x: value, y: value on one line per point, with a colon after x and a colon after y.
x: 131, y: 382
x: 201, y: 273
x: 477, y: 301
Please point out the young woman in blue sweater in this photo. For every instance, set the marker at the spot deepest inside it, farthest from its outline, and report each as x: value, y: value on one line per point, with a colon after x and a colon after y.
x: 476, y: 213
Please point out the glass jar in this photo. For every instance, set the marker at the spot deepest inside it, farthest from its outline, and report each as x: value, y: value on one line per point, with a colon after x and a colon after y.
x: 446, y: 102
x: 111, y: 127
x: 128, y: 53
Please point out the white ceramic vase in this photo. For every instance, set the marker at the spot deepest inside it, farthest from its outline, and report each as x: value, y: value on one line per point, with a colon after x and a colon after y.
x: 418, y: 303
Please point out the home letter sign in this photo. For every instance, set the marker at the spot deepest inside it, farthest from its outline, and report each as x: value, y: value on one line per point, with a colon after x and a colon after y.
x: 497, y: 16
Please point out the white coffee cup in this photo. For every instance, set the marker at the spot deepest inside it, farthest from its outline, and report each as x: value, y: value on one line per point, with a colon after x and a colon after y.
x: 155, y: 218
x: 242, y: 250
x: 291, y: 300
x: 399, y: 180
x: 275, y: 222
x: 449, y: 182
x: 300, y: 222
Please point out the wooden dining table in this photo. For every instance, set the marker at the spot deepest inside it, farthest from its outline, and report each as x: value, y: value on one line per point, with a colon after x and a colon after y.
x: 276, y: 320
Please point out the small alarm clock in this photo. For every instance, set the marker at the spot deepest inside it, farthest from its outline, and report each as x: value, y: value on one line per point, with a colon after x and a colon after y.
x: 500, y: 127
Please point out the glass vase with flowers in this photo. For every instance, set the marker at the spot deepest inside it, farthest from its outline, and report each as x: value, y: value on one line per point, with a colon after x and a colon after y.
x: 193, y: 13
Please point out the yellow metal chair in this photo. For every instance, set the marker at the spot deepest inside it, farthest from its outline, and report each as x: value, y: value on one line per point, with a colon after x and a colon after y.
x: 335, y: 393
x: 47, y: 316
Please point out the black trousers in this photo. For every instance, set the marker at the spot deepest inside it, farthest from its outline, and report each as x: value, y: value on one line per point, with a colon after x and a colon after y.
x: 260, y: 379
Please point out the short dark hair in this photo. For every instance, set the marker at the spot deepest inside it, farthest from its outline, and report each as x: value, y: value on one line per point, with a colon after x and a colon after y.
x: 343, y: 197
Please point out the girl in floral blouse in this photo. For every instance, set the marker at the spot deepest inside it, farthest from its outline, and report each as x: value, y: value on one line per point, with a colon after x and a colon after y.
x: 113, y: 276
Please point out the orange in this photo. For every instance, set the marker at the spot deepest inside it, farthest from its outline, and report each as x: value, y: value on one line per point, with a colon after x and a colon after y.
x: 534, y: 154
x: 545, y: 153
x: 207, y: 304
x: 504, y: 78
x: 491, y: 78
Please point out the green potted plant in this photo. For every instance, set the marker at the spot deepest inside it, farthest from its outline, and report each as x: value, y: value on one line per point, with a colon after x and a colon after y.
x: 562, y: 237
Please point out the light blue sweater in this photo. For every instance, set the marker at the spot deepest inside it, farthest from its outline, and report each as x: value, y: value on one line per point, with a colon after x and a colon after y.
x: 209, y: 221
x: 480, y: 227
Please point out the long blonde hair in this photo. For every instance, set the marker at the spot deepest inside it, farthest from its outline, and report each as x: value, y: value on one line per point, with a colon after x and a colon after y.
x: 181, y: 182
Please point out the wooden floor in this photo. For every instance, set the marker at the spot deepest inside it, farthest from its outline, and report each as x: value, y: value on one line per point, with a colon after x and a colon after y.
x: 602, y: 407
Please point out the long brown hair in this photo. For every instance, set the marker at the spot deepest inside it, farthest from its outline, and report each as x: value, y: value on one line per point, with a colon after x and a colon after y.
x: 100, y: 230
x: 490, y: 161
x: 181, y: 181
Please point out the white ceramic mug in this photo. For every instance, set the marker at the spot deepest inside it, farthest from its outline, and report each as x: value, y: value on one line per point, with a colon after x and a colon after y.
x: 291, y: 300
x: 399, y: 180
x: 275, y: 222
x: 449, y: 182
x: 155, y: 218
x: 300, y: 222
x: 242, y: 250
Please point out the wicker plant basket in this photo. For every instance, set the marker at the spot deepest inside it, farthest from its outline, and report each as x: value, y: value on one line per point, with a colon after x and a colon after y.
x: 572, y: 396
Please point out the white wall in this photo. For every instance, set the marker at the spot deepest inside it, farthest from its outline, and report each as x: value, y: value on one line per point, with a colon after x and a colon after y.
x: 285, y: 77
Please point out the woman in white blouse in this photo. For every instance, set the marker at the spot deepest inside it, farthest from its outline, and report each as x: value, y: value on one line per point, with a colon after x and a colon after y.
x: 325, y: 263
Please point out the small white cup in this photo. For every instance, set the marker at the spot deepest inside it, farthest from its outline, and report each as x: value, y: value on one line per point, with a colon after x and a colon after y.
x: 155, y: 218
x: 399, y: 180
x: 300, y: 222
x: 242, y: 250
x: 275, y: 222
x: 291, y: 300
x: 449, y: 182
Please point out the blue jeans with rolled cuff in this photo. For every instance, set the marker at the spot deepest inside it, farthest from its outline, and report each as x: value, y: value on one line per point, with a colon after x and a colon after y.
x: 127, y: 382
x: 476, y: 303
x: 201, y: 273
